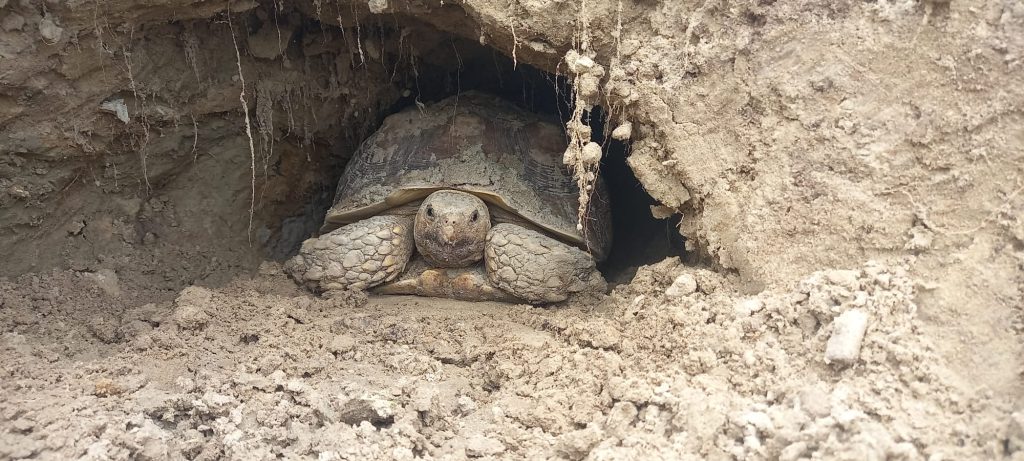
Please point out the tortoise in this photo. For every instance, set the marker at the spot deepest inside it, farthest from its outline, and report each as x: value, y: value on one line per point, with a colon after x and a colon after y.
x: 466, y: 198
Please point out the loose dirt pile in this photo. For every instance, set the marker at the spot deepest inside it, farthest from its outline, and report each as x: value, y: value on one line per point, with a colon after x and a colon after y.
x: 836, y: 165
x: 258, y: 369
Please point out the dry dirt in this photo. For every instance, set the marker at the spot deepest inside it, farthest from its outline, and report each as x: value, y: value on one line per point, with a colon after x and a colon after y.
x: 830, y: 161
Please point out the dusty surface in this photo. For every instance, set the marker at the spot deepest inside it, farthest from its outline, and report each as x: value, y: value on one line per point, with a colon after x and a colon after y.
x: 831, y: 160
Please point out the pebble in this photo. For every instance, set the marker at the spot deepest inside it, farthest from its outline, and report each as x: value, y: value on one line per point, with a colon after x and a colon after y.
x: 748, y: 306
x: 623, y: 132
x: 683, y: 285
x: 50, y: 31
x: 342, y: 343
x: 848, y: 330
x: 759, y: 420
x: 478, y: 446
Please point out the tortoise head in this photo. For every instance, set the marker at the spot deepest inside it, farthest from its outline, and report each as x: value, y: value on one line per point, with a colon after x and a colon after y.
x: 451, y: 227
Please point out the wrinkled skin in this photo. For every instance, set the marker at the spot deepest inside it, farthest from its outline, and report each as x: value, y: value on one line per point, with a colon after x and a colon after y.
x: 452, y: 232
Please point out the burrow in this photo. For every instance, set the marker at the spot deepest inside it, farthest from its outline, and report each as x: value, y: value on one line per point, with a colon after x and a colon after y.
x: 315, y: 81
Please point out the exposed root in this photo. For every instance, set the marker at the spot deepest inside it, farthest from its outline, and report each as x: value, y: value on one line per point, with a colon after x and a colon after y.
x: 195, y: 137
x: 582, y: 156
x: 248, y: 129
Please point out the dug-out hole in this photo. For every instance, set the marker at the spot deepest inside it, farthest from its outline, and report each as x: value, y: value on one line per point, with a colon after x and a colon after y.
x: 453, y: 65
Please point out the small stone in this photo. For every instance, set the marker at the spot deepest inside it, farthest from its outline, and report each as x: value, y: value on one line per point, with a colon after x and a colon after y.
x: 844, y: 278
x: 466, y: 404
x: 372, y: 410
x: 748, y: 306
x: 341, y: 344
x: 217, y: 403
x: 377, y: 6
x: 50, y: 31
x: 75, y: 227
x: 106, y: 388
x: 18, y: 192
x: 848, y: 330
x: 620, y: 418
x: 116, y: 107
x: 683, y: 285
x: 478, y: 446
x: 623, y: 132
x: 759, y: 420
x: 662, y: 212
x: 107, y: 281
x: 793, y: 451
x: 190, y: 312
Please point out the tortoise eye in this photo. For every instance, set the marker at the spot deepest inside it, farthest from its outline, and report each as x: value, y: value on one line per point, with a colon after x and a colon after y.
x: 476, y: 215
x: 430, y: 211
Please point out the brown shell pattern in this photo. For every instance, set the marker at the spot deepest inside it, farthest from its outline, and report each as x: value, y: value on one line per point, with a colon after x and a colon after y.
x: 480, y: 144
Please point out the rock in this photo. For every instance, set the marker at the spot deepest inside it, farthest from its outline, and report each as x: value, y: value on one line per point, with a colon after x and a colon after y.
x: 50, y: 31
x: 793, y: 451
x: 374, y: 411
x: 107, y: 281
x: 683, y: 285
x: 478, y: 446
x: 214, y: 403
x: 118, y: 108
x: 845, y: 278
x: 623, y: 132
x: 465, y: 404
x: 662, y: 212
x: 748, y: 306
x: 848, y: 330
x: 377, y: 6
x: 190, y: 312
x: 341, y: 343
x: 578, y: 444
x: 760, y: 420
x: 620, y: 418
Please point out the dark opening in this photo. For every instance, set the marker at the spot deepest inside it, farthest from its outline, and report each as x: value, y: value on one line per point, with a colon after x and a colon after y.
x: 639, y: 238
x: 447, y: 65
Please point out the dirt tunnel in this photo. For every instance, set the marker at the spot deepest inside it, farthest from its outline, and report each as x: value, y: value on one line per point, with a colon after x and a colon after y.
x: 443, y: 64
x: 201, y: 181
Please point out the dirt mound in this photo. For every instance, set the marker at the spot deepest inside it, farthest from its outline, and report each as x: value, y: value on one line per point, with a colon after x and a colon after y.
x: 259, y: 369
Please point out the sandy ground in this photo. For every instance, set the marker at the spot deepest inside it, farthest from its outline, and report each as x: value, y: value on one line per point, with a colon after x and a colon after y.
x: 839, y: 168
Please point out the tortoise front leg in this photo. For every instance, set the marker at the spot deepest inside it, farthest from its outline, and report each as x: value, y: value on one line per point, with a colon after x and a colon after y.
x: 538, y: 268
x: 357, y: 256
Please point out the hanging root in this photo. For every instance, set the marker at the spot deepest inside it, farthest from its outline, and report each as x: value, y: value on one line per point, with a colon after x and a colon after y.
x: 583, y: 157
x: 248, y: 129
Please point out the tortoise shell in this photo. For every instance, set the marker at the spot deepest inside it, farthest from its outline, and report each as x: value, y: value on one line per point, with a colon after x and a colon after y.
x: 481, y: 144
